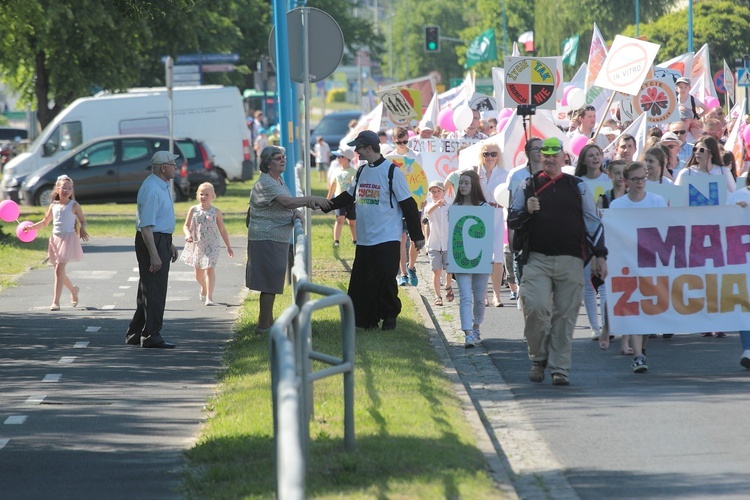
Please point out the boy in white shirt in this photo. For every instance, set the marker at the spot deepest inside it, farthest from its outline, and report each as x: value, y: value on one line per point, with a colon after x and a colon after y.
x: 436, y: 213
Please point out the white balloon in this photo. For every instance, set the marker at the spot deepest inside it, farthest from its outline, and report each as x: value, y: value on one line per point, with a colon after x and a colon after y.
x: 576, y: 98
x: 502, y: 195
x: 462, y: 117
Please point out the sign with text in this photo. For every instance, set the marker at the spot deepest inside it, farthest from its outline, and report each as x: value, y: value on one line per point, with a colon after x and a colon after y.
x: 677, y: 270
x: 470, y: 237
x: 658, y: 99
x: 627, y: 65
x: 531, y: 81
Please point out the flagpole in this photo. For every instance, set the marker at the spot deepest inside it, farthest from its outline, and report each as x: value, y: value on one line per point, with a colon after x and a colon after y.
x: 606, y: 111
x: 505, y: 32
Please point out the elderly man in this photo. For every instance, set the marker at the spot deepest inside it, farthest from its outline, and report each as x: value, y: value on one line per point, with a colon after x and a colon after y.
x: 680, y: 129
x: 557, y: 217
x: 154, y: 250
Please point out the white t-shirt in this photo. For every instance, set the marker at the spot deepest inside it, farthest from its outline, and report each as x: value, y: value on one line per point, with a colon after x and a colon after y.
x: 715, y: 170
x: 438, y: 218
x: 322, y: 153
x: 377, y: 222
x: 651, y: 200
x: 516, y: 178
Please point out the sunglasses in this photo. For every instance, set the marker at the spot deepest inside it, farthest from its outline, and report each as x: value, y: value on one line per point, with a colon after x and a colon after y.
x: 402, y: 142
x: 490, y: 153
x: 696, y: 149
x: 680, y: 132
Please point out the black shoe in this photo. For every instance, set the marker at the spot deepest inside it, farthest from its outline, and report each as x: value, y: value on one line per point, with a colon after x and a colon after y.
x: 159, y: 345
x: 133, y: 341
x: 388, y: 324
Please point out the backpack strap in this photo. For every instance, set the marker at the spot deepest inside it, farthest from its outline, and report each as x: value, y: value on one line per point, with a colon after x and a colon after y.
x: 692, y: 103
x: 390, y: 180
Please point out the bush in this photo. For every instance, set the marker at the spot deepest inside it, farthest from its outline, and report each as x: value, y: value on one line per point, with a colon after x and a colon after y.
x: 336, y: 95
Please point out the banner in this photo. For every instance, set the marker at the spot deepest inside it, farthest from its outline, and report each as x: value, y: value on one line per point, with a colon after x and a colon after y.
x: 729, y: 83
x: 482, y: 49
x: 677, y: 270
x: 470, y: 235
x: 414, y: 173
x: 597, y: 55
x: 399, y: 105
x: 570, y: 50
x: 658, y: 100
x: 531, y: 81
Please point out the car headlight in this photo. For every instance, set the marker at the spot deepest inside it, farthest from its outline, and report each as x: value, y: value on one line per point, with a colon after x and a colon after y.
x: 32, y: 181
x: 14, y: 182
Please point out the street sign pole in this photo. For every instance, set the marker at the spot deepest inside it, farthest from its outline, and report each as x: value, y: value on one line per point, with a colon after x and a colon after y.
x: 169, y: 80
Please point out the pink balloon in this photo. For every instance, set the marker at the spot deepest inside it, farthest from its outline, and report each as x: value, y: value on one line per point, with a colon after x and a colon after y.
x: 9, y: 210
x: 445, y: 120
x: 712, y: 102
x: 746, y: 134
x: 577, y: 143
x: 24, y: 233
x: 411, y: 133
x: 501, y: 123
x: 504, y: 113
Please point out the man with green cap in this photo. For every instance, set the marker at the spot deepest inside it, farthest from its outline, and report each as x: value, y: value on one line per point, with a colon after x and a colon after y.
x: 555, y: 214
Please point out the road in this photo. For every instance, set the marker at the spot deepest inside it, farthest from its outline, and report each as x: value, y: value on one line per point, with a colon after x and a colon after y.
x: 86, y: 416
x: 669, y: 433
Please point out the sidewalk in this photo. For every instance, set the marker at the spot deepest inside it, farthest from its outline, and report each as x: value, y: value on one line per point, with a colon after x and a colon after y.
x: 87, y: 416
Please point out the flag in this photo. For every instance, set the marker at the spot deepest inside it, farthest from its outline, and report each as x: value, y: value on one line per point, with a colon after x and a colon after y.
x: 729, y: 83
x: 431, y: 113
x: 734, y: 143
x: 597, y: 55
x: 498, y: 83
x: 456, y: 96
x: 682, y: 64
x: 482, y: 49
x: 370, y: 121
x: 702, y: 84
x: 527, y: 39
x: 570, y: 50
x: 638, y: 129
x: 516, y: 52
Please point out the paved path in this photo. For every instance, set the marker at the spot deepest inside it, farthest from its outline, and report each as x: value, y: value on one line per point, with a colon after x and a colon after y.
x: 674, y: 432
x: 82, y: 415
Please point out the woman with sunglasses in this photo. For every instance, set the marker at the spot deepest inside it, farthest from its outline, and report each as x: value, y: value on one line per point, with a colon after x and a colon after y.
x: 706, y: 160
x: 491, y: 175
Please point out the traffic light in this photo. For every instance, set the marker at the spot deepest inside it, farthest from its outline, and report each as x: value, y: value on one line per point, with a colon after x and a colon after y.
x: 432, y: 38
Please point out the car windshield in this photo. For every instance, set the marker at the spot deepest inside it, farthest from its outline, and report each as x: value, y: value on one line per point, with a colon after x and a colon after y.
x: 333, y: 125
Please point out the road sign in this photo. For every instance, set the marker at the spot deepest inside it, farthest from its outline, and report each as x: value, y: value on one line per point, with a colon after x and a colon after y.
x: 743, y: 77
x: 719, y: 82
x: 627, y: 65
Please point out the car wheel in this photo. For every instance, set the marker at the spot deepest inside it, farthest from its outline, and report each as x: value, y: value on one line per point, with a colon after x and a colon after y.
x: 221, y: 186
x: 44, y: 196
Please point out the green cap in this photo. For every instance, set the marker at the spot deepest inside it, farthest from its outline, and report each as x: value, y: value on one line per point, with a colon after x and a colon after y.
x: 551, y: 146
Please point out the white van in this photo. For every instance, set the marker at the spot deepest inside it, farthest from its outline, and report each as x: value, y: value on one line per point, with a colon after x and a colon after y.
x: 211, y: 113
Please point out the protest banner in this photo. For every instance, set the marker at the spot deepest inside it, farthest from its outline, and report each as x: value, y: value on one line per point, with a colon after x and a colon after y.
x: 627, y: 65
x: 701, y: 191
x: 399, y: 105
x: 677, y: 270
x: 531, y: 81
x: 658, y: 99
x: 416, y: 178
x: 470, y: 235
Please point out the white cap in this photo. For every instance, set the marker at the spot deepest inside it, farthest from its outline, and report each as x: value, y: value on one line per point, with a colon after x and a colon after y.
x: 428, y: 125
x: 162, y: 157
x: 608, y: 131
x: 346, y: 153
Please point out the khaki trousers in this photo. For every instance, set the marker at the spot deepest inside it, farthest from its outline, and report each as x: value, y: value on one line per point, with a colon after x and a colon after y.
x: 552, y: 286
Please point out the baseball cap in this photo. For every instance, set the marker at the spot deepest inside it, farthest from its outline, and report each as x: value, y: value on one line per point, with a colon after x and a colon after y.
x: 551, y: 146
x: 162, y: 157
x: 346, y: 153
x: 428, y: 125
x: 669, y: 137
x: 608, y: 131
x: 683, y: 79
x: 436, y: 184
x: 365, y: 138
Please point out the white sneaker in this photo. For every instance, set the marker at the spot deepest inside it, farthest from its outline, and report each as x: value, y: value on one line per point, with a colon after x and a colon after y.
x: 745, y: 359
x: 209, y: 302
x: 470, y: 341
x: 477, y: 336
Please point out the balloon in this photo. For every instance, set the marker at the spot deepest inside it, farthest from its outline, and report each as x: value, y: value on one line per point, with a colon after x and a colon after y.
x: 462, y: 117
x: 504, y: 113
x: 564, y: 100
x: 712, y: 102
x: 501, y: 123
x: 576, y: 98
x: 577, y: 143
x: 502, y: 195
x: 9, y: 210
x: 445, y: 120
x: 746, y: 134
x: 24, y: 234
x: 411, y: 133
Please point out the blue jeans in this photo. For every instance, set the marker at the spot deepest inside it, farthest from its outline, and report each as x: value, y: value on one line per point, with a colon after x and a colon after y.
x: 745, y: 339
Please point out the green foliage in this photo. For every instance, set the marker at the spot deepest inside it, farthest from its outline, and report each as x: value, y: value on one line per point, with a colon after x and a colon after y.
x: 336, y: 95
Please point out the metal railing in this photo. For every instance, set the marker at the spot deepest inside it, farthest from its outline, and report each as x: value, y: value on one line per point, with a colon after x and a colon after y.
x: 292, y: 374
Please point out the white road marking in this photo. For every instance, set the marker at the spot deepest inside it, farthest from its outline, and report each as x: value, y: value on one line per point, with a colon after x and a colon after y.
x: 181, y: 276
x: 80, y: 345
x: 91, y: 329
x: 118, y: 294
x: 52, y: 377
x: 67, y: 359
x: 134, y: 278
x: 3, y: 442
x: 35, y: 399
x: 15, y: 420
x: 124, y: 287
x: 135, y: 269
x: 108, y: 307
x: 92, y: 275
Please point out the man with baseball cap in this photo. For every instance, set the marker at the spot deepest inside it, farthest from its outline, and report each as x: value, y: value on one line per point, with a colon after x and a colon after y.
x: 673, y: 144
x: 690, y: 107
x: 154, y: 250
x: 383, y: 198
x: 555, y: 215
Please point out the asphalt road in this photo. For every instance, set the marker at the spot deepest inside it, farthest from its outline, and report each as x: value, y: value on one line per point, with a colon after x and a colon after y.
x: 86, y: 416
x: 673, y: 432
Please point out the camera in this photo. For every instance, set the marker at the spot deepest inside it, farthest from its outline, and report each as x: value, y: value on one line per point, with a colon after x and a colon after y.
x: 526, y: 110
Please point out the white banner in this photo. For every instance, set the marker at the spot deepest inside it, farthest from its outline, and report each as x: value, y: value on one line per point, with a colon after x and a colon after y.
x: 677, y: 270
x: 470, y: 235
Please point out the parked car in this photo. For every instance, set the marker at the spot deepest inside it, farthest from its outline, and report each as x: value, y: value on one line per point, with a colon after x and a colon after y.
x: 105, y: 169
x: 333, y: 127
x: 201, y: 166
x: 13, y: 134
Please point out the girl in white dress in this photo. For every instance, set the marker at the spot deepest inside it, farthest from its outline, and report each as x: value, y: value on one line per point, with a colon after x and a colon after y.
x: 203, y: 226
x: 64, y: 245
